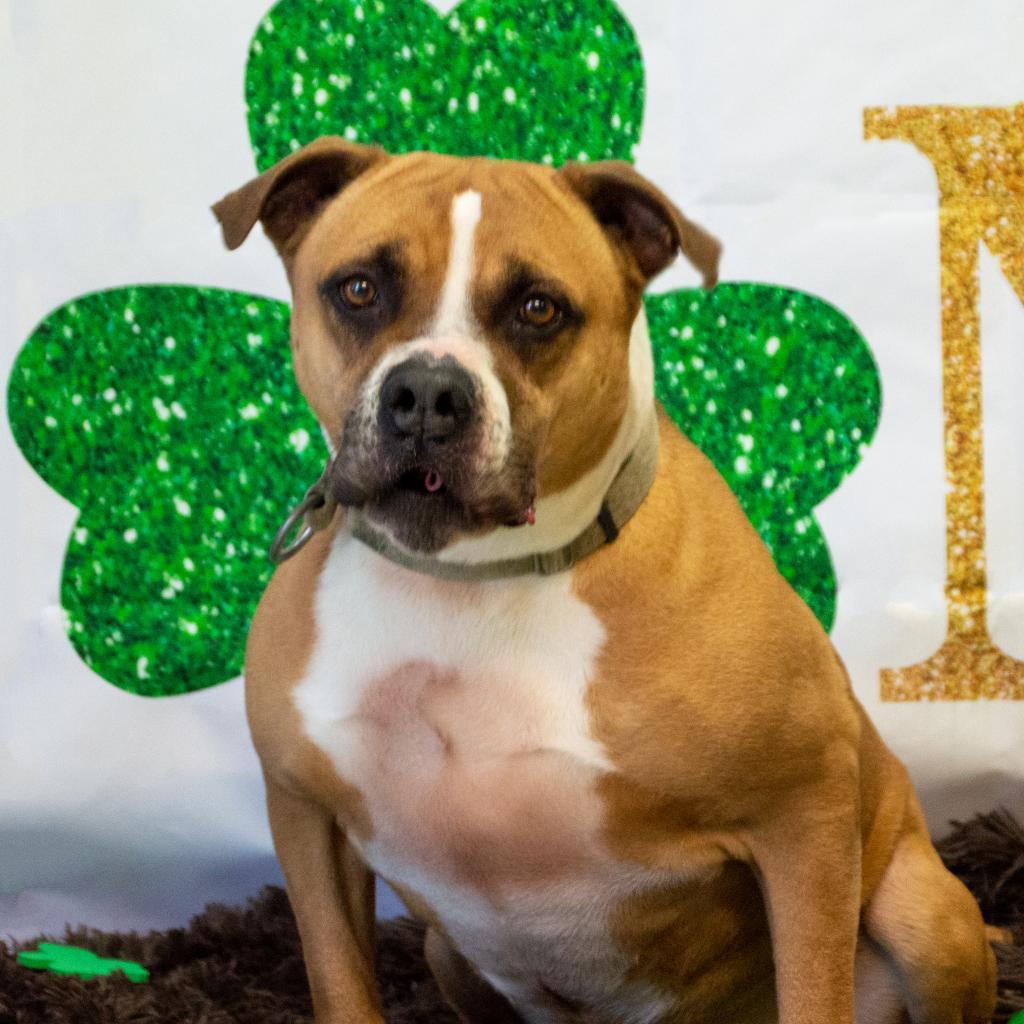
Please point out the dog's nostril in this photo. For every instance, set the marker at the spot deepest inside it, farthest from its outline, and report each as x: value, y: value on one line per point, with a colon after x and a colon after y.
x: 404, y: 400
x: 444, y: 404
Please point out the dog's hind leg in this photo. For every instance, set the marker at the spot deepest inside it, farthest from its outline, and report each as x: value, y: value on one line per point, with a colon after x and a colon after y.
x: 878, y: 996
x: 930, y: 927
x: 474, y: 1000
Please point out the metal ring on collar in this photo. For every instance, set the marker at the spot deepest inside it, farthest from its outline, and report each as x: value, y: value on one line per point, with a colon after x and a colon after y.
x: 279, y: 551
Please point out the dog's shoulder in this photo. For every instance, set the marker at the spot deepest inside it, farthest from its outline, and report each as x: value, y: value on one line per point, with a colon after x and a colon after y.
x: 282, y: 635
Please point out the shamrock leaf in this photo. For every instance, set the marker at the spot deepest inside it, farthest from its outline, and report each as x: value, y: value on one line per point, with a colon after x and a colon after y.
x: 545, y: 80
x: 781, y: 392
x: 170, y: 417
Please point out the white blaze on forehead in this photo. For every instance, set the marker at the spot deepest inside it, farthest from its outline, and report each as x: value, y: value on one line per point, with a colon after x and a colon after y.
x: 455, y: 332
x: 454, y: 309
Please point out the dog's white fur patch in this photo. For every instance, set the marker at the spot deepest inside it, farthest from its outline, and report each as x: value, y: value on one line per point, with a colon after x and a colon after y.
x: 458, y: 711
x: 454, y: 311
x: 373, y: 615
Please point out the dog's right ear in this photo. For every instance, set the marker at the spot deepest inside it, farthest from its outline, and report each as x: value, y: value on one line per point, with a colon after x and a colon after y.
x: 287, y: 197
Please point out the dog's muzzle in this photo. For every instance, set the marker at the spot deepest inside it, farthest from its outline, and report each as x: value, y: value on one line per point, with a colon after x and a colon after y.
x: 417, y: 459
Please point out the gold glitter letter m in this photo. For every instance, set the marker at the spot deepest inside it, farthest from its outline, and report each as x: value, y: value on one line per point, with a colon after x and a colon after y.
x: 978, y: 155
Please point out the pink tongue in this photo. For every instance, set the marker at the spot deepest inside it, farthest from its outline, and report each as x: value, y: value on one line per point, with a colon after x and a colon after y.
x: 531, y: 515
x: 432, y: 481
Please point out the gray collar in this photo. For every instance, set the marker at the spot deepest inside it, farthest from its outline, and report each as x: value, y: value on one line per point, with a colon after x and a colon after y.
x: 625, y: 495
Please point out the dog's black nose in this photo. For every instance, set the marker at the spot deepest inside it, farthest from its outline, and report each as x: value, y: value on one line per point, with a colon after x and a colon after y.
x: 427, y: 400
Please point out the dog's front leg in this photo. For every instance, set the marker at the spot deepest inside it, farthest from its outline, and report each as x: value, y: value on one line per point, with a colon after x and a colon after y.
x: 331, y: 893
x: 808, y: 860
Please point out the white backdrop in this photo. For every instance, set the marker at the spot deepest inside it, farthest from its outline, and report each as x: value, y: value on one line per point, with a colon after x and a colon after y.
x: 122, y: 121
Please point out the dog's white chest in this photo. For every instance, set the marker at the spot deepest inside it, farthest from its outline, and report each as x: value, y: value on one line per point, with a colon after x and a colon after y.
x: 458, y: 712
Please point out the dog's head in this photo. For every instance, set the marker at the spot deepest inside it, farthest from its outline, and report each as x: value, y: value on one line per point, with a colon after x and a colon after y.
x: 462, y: 327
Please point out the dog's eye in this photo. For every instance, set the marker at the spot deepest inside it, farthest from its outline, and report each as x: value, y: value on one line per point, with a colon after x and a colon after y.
x: 358, y: 292
x: 539, y: 311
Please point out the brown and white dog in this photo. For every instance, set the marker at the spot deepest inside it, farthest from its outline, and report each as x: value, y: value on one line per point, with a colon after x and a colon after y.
x: 637, y: 791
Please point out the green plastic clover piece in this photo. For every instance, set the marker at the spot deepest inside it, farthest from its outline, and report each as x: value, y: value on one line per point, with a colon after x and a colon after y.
x: 80, y: 963
x: 1017, y: 1018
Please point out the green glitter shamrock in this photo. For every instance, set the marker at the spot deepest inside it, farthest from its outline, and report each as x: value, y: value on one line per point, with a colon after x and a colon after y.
x: 79, y: 963
x: 180, y: 452
x: 780, y: 391
x: 497, y: 78
x: 169, y: 415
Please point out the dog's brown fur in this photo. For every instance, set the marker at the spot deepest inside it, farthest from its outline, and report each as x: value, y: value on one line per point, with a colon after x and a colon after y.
x: 742, y: 759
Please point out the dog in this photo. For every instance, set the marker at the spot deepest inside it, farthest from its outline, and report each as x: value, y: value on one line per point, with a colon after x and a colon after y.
x: 539, y: 672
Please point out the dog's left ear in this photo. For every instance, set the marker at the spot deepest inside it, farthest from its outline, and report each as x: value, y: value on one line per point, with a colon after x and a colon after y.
x: 642, y: 219
x: 287, y: 197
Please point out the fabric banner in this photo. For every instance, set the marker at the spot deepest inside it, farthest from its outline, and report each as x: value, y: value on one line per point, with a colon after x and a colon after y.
x: 854, y: 377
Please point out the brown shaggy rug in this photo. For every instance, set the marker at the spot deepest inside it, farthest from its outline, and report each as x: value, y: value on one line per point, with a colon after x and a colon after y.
x: 242, y: 965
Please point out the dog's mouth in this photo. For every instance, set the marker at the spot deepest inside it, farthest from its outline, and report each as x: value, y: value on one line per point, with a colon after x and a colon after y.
x: 364, y: 482
x: 441, y: 492
x: 433, y: 487
x: 426, y: 503
x: 425, y: 482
